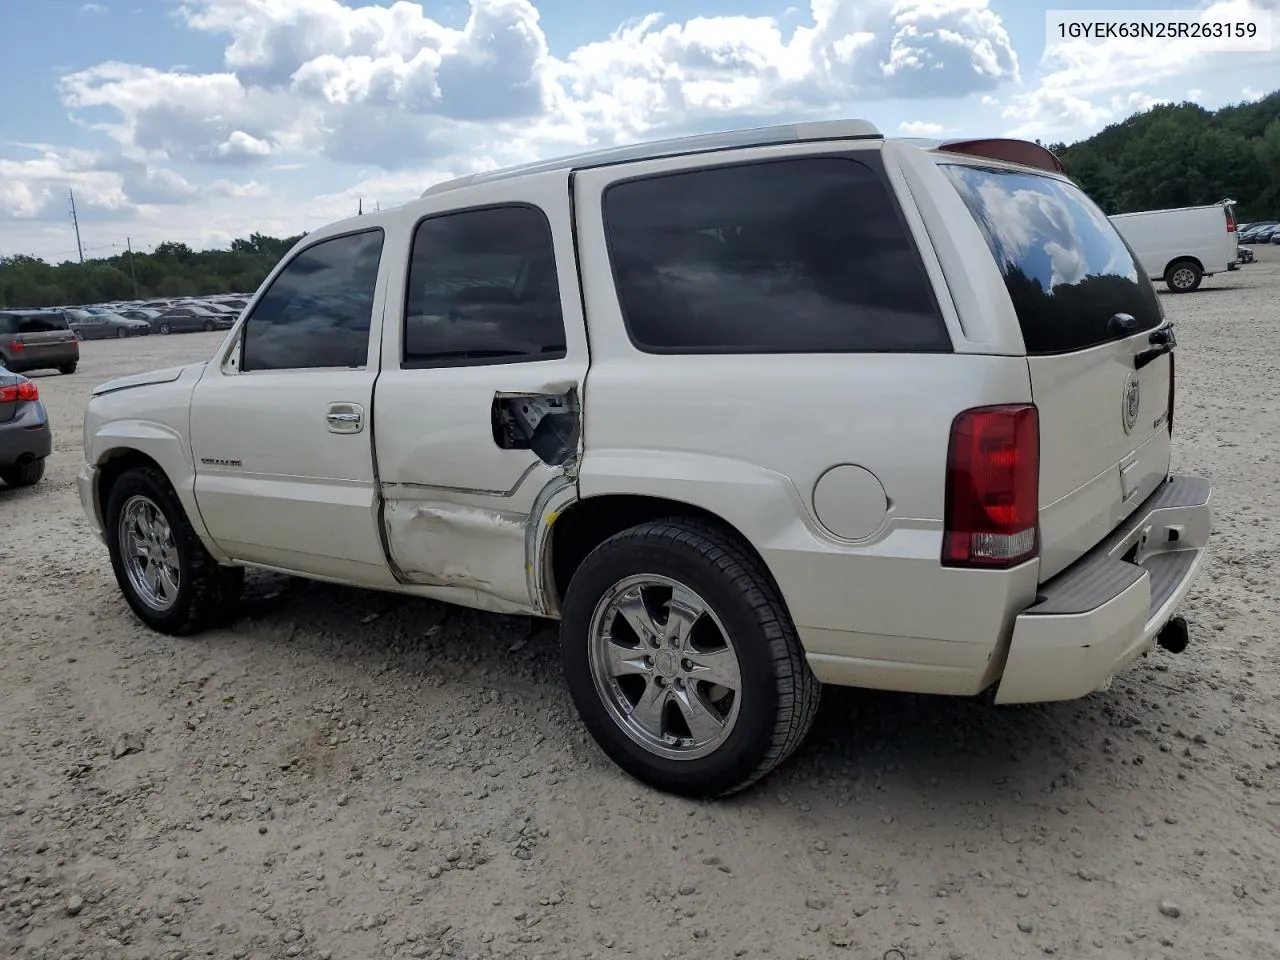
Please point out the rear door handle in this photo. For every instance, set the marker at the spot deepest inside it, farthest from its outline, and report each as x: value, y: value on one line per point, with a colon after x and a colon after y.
x: 345, y: 418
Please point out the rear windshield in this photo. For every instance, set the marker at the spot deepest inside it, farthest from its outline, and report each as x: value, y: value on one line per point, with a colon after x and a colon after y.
x: 34, y: 323
x: 1067, y: 269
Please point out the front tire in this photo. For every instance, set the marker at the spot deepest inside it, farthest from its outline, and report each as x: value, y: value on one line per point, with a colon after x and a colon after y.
x: 23, y: 474
x: 682, y: 659
x: 1184, y: 276
x: 168, y: 578
x: 166, y: 329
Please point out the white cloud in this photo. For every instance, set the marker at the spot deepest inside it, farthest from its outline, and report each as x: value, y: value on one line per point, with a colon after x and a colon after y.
x: 1050, y: 112
x: 921, y: 128
x: 105, y: 187
x: 1253, y: 95
x: 387, y: 85
x: 1081, y: 84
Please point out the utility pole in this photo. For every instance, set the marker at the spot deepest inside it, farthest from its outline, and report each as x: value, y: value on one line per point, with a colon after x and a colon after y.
x: 133, y: 273
x: 360, y: 208
x: 76, y: 222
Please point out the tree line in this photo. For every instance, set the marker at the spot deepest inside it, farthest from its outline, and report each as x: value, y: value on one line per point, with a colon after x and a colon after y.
x: 170, y: 270
x: 1173, y: 155
x: 1182, y: 155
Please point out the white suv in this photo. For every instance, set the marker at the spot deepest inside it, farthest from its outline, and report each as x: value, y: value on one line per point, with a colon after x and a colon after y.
x: 748, y: 413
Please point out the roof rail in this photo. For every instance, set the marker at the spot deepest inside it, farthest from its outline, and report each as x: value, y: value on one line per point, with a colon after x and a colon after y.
x: 676, y: 146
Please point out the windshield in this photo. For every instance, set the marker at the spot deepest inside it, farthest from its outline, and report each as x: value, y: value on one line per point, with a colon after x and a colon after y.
x: 1066, y: 267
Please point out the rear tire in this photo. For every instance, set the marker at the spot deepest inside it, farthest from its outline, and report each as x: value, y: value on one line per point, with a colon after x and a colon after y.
x: 660, y: 725
x: 204, y: 595
x: 67, y: 369
x: 23, y: 474
x: 1183, y: 276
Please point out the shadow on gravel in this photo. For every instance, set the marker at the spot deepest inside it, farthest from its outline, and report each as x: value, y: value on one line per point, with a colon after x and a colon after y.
x: 960, y: 752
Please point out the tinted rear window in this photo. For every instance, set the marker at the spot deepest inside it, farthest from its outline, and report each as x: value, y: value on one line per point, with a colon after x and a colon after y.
x: 41, y: 322
x: 1067, y: 269
x: 789, y: 256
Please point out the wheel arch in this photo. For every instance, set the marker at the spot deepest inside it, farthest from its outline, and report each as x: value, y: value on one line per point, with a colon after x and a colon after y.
x: 1181, y: 258
x: 584, y: 524
x: 158, y: 448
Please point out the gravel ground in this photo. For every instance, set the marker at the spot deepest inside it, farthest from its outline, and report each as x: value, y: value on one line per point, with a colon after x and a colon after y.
x: 353, y: 775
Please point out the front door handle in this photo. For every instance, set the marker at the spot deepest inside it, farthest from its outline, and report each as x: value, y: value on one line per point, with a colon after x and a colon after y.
x: 345, y: 418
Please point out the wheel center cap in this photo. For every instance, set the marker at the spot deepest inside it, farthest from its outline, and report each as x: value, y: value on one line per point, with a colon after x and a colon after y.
x: 667, y: 663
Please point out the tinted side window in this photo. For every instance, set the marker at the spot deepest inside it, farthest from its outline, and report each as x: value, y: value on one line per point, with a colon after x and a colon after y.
x: 483, y: 286
x: 318, y: 309
x: 8, y: 323
x: 789, y: 256
x: 1067, y: 269
x: 41, y: 322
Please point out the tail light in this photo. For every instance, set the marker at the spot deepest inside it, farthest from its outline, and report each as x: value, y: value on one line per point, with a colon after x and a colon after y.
x: 1231, y: 221
x: 1173, y: 365
x: 19, y: 392
x: 993, y: 487
x: 17, y: 346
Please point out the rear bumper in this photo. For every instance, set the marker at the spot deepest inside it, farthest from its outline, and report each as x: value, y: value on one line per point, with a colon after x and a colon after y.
x: 26, y: 437
x: 1105, y: 610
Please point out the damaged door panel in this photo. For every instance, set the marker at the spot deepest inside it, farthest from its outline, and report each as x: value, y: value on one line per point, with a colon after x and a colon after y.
x: 477, y: 408
x: 546, y: 423
x: 456, y: 545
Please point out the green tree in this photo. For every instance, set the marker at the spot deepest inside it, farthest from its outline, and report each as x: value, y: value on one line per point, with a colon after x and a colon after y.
x: 1177, y: 155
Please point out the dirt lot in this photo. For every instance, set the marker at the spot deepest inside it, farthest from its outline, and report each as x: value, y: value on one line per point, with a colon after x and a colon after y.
x: 350, y: 775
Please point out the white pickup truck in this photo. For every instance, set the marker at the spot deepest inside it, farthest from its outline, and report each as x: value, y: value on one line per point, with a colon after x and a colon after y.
x: 748, y: 413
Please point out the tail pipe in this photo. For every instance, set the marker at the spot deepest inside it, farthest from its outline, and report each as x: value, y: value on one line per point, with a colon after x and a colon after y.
x: 1174, y: 635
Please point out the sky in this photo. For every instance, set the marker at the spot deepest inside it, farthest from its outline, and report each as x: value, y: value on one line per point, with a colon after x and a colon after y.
x: 203, y: 120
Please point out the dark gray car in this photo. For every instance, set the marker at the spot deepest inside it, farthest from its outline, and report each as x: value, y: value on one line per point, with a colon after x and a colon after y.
x: 37, y: 339
x: 88, y: 325
x: 189, y: 319
x: 25, y: 437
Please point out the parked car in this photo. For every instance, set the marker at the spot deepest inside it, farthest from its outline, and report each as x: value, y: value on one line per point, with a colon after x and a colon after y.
x: 37, y: 339
x: 1246, y: 255
x: 188, y: 319
x: 145, y: 314
x: 25, y: 437
x: 715, y: 500
x: 99, y: 326
x: 1182, y: 246
x: 1259, y: 233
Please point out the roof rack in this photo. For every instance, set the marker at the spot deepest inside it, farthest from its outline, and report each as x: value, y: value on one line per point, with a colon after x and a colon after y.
x: 676, y: 146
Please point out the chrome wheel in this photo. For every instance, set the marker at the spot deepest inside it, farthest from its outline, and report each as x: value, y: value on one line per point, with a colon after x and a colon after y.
x: 1183, y: 278
x: 149, y: 553
x: 664, y: 667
